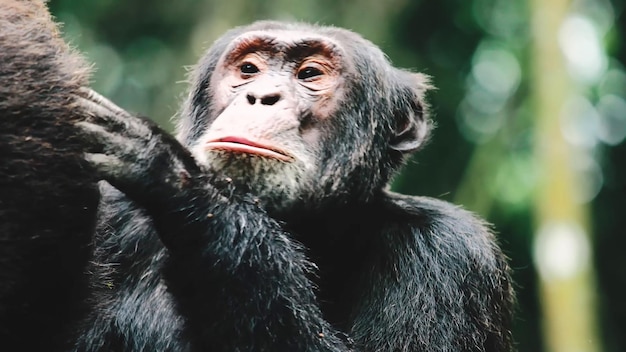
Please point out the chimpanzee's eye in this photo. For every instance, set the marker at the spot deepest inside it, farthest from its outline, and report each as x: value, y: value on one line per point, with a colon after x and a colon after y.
x: 309, y: 72
x: 248, y: 69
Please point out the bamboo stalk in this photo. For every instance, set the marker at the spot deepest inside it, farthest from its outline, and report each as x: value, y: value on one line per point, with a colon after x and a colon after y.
x: 562, y: 240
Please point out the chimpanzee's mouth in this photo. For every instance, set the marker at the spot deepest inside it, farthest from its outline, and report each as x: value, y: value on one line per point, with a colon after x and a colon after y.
x: 245, y: 146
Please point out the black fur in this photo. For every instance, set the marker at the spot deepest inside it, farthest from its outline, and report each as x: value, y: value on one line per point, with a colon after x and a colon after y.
x: 185, y: 259
x: 48, y: 195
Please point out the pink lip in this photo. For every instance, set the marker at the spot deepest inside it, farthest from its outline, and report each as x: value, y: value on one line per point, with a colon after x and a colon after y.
x: 242, y: 145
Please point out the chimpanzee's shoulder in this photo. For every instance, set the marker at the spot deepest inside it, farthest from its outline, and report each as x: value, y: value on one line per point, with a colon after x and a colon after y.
x: 442, y: 225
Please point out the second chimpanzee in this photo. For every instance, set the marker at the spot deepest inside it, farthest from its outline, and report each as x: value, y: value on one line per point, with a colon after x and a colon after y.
x: 277, y: 232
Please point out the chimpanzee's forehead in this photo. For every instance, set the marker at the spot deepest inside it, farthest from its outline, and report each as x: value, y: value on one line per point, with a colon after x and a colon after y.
x: 289, y: 42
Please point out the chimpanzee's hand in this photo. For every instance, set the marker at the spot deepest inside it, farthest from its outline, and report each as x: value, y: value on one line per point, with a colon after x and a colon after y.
x: 134, y: 154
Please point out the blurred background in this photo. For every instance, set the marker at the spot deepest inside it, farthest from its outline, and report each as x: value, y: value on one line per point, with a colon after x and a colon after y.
x: 530, y: 108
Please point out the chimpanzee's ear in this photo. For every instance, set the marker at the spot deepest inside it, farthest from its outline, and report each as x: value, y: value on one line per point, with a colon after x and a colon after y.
x: 412, y: 125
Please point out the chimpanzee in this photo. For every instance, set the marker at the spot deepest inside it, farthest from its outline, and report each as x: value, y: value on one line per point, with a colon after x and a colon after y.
x: 268, y: 227
x: 278, y: 233
x: 48, y: 194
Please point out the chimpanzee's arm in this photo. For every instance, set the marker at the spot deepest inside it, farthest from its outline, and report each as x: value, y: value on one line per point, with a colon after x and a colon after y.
x: 235, y: 276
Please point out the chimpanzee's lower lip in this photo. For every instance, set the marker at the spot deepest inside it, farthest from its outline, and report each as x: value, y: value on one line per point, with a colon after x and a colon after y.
x: 241, y: 145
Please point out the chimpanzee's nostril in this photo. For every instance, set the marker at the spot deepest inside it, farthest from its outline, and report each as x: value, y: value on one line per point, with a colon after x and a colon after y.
x: 251, y: 99
x: 270, y: 99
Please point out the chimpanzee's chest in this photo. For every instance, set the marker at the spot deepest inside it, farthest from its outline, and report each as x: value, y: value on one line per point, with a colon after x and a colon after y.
x: 342, y: 261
